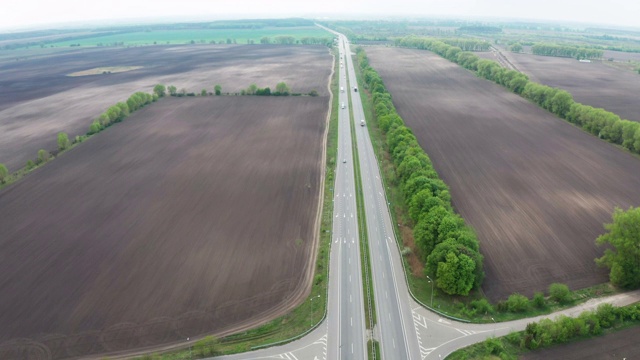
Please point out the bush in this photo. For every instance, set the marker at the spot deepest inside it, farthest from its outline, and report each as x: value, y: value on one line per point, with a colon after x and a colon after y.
x: 493, y: 346
x: 482, y: 306
x: 4, y: 173
x: 560, y: 293
x: 313, y: 93
x: 539, y: 300
x: 517, y: 303
x: 43, y: 156
x: 30, y: 164
x: 63, y: 141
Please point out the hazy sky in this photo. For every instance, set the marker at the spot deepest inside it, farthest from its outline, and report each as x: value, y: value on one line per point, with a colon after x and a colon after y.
x: 26, y: 13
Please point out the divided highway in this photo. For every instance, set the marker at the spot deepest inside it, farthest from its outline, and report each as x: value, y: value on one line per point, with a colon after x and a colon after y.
x: 394, y: 327
x: 404, y: 328
x: 346, y: 306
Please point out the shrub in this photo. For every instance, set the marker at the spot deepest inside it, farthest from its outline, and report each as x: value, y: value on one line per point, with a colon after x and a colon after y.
x: 560, y: 293
x: 517, y: 303
x: 493, y: 346
x: 482, y: 306
x: 4, y: 173
x: 313, y: 93
x: 43, y: 156
x: 539, y: 300
x: 30, y: 164
x: 63, y: 141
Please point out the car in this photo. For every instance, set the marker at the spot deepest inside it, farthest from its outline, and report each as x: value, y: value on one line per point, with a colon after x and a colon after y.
x: 344, y: 161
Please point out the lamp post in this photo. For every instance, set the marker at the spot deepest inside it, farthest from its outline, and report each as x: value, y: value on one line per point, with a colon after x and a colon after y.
x: 190, y: 354
x: 431, y: 281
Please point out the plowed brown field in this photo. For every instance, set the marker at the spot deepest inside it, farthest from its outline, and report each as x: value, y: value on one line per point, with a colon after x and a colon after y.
x: 536, y: 189
x: 195, y: 215
x: 38, y: 99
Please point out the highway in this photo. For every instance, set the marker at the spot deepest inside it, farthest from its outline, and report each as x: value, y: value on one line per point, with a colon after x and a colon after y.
x: 404, y: 328
x: 346, y: 305
x: 393, y: 305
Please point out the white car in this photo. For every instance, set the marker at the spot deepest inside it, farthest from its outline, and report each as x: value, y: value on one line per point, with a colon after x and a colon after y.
x: 343, y: 105
x: 344, y: 161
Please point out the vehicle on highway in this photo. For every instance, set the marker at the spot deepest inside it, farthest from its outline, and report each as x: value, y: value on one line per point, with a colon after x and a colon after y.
x: 343, y: 105
x: 355, y: 89
x: 341, y: 88
x: 362, y: 122
x: 344, y: 161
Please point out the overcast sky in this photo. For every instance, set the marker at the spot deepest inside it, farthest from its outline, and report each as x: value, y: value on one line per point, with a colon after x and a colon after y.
x: 28, y: 13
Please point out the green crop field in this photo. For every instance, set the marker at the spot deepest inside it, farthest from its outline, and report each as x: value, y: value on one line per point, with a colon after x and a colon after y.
x: 241, y: 36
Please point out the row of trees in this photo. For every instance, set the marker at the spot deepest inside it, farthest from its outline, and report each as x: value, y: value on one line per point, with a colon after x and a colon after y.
x: 599, y: 122
x: 282, y: 89
x: 566, y: 51
x: 449, y: 247
x: 119, y: 111
x: 468, y: 44
x: 115, y: 113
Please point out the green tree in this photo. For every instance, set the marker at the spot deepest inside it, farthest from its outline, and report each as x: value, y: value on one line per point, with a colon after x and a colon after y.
x: 63, y: 141
x: 30, y: 164
x: 455, y: 275
x: 282, y: 88
x: 218, y: 89
x: 203, y: 92
x: 560, y: 293
x: 172, y: 90
x: 4, y: 172
x: 95, y: 127
x: 313, y: 93
x: 43, y: 156
x: 624, y: 257
x: 251, y: 90
x: 160, y: 90
x: 516, y: 47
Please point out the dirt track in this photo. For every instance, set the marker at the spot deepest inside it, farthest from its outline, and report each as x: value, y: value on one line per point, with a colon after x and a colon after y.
x: 38, y: 100
x: 194, y: 215
x: 536, y: 189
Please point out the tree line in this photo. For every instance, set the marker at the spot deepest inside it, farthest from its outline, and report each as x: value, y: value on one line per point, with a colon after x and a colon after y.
x: 602, y: 123
x: 468, y: 44
x: 114, y: 114
x: 566, y: 51
x: 444, y: 242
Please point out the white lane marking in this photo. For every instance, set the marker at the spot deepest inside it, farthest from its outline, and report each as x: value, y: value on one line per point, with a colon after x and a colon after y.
x: 352, y: 321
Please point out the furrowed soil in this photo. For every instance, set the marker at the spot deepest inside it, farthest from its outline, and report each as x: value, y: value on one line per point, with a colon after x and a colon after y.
x: 38, y: 99
x: 596, y: 83
x: 194, y: 216
x: 619, y: 345
x: 536, y: 189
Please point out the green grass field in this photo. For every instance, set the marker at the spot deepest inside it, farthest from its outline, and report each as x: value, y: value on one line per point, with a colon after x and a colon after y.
x: 241, y: 36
